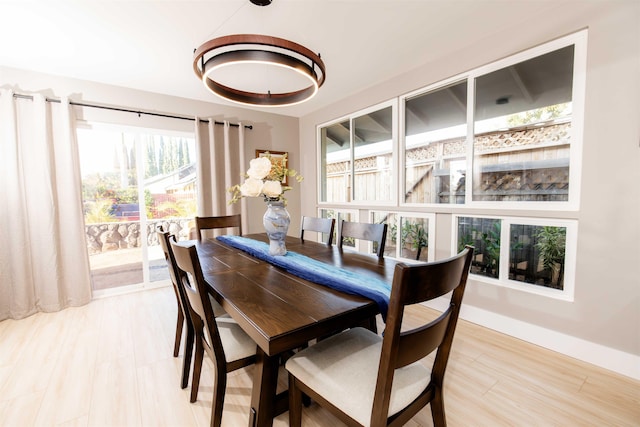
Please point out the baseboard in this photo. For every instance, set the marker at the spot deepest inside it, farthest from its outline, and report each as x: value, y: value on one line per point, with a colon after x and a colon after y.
x: 128, y: 289
x: 605, y: 357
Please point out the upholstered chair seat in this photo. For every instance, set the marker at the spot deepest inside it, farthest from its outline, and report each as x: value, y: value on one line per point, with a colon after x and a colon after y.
x: 344, y: 368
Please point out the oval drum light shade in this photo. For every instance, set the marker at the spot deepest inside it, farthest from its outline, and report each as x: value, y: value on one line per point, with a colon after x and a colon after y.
x: 260, y: 70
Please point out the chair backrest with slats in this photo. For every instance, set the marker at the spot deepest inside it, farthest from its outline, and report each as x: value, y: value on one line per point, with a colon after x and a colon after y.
x: 213, y: 222
x: 164, y: 238
x: 319, y: 225
x: 190, y: 277
x: 413, y: 284
x: 376, y: 233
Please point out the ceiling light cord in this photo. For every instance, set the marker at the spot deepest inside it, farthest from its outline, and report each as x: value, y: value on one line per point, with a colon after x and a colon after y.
x: 242, y: 6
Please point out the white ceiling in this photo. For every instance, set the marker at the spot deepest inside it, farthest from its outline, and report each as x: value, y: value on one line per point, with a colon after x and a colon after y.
x: 149, y: 45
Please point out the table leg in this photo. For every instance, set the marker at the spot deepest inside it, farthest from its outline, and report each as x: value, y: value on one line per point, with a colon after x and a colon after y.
x: 263, y: 394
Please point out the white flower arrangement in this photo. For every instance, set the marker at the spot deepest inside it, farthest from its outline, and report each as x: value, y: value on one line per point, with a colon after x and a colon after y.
x: 264, y: 178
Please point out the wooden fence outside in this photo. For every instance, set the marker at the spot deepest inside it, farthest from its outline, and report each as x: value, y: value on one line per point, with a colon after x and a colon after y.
x: 528, y: 163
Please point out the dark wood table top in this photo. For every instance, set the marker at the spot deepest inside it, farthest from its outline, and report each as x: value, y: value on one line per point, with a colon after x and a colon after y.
x: 282, y: 312
x: 279, y: 310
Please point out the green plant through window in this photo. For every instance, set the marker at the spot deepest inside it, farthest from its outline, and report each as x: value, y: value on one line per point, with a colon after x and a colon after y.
x: 536, y: 252
x: 537, y: 255
x: 551, y: 244
x: 484, y: 235
x: 415, y: 238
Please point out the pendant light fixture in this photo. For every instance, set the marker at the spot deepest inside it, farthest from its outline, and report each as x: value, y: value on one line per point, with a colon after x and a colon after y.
x: 259, y: 70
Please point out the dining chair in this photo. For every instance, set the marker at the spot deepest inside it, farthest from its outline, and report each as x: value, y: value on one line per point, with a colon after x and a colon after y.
x: 368, y: 380
x: 212, y: 222
x: 319, y: 225
x: 224, y: 341
x: 184, y: 318
x: 377, y: 233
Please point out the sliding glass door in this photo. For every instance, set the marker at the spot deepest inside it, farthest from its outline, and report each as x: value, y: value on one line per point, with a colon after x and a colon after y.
x: 133, y: 182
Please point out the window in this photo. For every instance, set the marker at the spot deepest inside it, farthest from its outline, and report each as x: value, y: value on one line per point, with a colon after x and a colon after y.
x: 506, y: 136
x: 537, y: 254
x: 339, y: 215
x: 335, y: 168
x: 410, y: 236
x: 352, y: 215
x: 485, y: 234
x: 534, y: 255
x: 357, y: 158
x: 131, y: 183
x: 508, y: 132
x: 391, y: 219
x: 522, y: 130
x: 435, y: 145
x: 373, y: 156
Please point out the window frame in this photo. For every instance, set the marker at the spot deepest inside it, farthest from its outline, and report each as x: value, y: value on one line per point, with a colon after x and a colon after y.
x: 537, y: 213
x: 340, y: 212
x: 140, y: 136
x: 402, y: 142
x: 503, y: 280
x: 400, y: 215
x: 393, y: 103
x: 579, y: 41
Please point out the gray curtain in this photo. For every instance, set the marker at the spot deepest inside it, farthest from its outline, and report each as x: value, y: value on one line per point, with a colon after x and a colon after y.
x: 44, y: 265
x: 221, y: 164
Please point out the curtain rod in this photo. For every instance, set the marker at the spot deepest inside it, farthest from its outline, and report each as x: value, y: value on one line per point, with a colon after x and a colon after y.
x: 126, y: 110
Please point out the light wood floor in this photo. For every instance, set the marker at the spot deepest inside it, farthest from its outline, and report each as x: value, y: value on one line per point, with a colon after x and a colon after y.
x: 110, y: 363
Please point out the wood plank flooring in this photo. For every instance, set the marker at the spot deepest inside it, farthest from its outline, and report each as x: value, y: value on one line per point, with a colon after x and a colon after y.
x: 110, y: 364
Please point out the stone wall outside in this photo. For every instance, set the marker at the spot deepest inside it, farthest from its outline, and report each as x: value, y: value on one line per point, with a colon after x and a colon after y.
x: 111, y: 236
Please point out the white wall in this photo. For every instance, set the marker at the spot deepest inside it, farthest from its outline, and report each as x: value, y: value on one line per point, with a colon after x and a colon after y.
x: 602, y: 325
x: 270, y: 131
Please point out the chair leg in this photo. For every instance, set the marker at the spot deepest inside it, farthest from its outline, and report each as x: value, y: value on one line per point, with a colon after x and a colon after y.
x: 219, y: 389
x: 437, y: 409
x: 179, y: 325
x: 197, y: 369
x: 188, y: 352
x: 295, y: 403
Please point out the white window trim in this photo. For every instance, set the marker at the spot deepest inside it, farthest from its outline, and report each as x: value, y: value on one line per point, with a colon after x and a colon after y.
x: 393, y: 103
x: 571, y: 244
x: 402, y: 139
x: 579, y: 40
x: 137, y: 133
x: 431, y: 230
x: 338, y: 210
x: 562, y: 214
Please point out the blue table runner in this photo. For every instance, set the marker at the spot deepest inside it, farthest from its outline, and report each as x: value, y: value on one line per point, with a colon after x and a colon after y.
x: 317, y: 271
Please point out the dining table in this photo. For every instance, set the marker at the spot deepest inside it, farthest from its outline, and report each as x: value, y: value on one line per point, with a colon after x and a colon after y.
x: 282, y: 311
